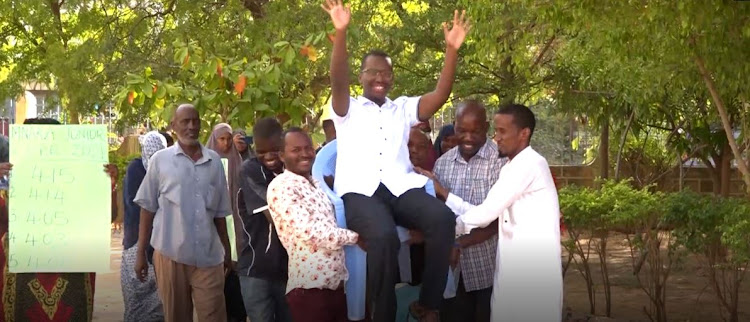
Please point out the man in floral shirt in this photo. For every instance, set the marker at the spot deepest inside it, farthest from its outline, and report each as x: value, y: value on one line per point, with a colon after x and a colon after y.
x: 306, y: 226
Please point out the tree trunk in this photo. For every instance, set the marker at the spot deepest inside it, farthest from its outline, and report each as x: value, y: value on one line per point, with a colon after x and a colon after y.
x: 623, y: 139
x: 725, y: 170
x: 74, y: 117
x: 604, y: 150
x: 728, y: 130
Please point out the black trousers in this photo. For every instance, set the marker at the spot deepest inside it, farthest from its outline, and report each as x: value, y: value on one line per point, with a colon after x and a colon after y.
x: 375, y: 219
x: 467, y: 306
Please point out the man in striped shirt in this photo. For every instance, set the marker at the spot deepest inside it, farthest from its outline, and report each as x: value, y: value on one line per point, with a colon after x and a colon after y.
x: 468, y: 171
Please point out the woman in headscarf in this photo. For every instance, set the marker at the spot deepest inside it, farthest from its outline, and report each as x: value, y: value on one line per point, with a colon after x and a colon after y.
x: 445, y: 140
x: 238, y: 136
x: 141, y: 299
x: 222, y: 141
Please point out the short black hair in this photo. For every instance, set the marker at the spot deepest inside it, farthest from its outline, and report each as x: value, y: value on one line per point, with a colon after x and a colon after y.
x: 523, y: 117
x: 266, y: 128
x: 167, y: 136
x: 41, y: 120
x: 376, y: 53
x: 292, y: 129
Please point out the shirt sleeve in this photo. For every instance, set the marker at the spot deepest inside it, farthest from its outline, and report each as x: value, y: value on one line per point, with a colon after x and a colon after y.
x: 148, y: 193
x: 253, y: 184
x: 342, y: 119
x: 508, y: 188
x: 410, y: 107
x: 223, y: 204
x: 289, y: 212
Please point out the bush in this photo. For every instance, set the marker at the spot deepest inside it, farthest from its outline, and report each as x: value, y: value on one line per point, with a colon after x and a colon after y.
x: 660, y: 228
x: 122, y: 164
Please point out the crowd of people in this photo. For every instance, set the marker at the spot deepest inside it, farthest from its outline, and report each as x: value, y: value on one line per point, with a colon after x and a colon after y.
x: 492, y: 223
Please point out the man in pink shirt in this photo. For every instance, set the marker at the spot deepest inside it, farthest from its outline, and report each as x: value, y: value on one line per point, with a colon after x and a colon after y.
x: 307, y: 228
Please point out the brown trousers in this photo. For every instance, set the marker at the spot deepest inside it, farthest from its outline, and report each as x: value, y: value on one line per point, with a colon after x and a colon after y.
x: 181, y: 286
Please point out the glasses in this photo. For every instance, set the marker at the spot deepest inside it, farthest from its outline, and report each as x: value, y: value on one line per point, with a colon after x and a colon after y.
x: 375, y: 72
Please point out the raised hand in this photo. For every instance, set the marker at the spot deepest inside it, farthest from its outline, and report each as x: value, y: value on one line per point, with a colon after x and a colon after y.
x: 456, y: 35
x: 340, y: 15
x: 5, y: 168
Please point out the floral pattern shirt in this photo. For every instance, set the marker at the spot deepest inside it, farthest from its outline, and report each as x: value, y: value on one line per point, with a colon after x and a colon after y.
x: 306, y: 225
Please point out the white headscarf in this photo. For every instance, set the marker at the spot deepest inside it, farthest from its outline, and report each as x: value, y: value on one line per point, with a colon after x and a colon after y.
x: 150, y: 143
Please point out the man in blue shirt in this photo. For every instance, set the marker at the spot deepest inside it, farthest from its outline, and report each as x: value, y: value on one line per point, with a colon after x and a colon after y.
x: 184, y: 202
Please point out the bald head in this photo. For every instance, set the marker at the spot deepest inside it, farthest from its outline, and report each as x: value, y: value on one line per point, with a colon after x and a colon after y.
x: 182, y: 109
x: 471, y: 128
x: 472, y: 108
x: 186, y: 123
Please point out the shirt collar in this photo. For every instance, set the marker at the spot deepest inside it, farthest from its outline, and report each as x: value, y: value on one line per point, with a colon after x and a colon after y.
x: 488, y: 151
x: 300, y: 178
x: 364, y: 101
x: 204, y: 152
x: 525, y: 151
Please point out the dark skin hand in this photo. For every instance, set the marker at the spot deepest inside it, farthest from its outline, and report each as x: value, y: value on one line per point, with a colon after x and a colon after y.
x: 221, y: 228
x: 144, y: 237
x: 5, y: 168
x: 112, y: 171
x: 440, y: 191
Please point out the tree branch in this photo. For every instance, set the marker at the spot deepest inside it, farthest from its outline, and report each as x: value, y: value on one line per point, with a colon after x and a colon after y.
x: 544, y: 50
x: 741, y: 163
x: 255, y: 7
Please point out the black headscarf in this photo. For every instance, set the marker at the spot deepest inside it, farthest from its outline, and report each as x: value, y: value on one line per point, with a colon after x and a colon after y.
x: 446, y: 130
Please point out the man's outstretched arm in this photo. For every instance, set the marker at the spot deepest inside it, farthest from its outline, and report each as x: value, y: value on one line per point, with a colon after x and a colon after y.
x: 454, y: 37
x: 340, y: 16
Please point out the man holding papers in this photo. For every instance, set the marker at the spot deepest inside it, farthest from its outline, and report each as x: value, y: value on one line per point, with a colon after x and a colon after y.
x: 262, y: 263
x: 528, y: 278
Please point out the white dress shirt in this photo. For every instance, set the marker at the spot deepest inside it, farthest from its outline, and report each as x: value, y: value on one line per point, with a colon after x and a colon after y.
x: 372, y: 147
x: 528, y: 280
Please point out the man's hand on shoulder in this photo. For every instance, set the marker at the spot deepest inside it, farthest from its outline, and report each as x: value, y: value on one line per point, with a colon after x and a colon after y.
x: 440, y: 191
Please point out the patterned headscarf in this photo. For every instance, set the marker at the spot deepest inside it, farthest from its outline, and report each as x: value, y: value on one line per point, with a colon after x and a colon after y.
x: 150, y: 143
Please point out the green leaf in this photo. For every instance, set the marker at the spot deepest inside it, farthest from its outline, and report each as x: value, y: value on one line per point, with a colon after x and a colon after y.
x: 161, y: 91
x: 147, y: 89
x: 261, y: 107
x: 280, y: 44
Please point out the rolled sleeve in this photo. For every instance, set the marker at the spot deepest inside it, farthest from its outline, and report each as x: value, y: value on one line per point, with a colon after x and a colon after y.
x: 337, y: 119
x: 410, y: 107
x: 148, y: 193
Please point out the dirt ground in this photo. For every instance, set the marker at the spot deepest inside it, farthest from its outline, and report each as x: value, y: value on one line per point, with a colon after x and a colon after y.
x: 688, y: 296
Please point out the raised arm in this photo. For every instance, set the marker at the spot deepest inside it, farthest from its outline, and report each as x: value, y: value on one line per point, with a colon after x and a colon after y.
x: 454, y: 37
x: 340, y: 16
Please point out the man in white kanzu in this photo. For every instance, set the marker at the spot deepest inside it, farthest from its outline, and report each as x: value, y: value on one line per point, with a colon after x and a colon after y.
x: 528, y: 279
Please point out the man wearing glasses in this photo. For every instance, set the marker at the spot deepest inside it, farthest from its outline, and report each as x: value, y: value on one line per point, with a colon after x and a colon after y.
x: 374, y: 176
